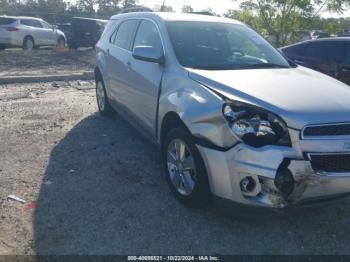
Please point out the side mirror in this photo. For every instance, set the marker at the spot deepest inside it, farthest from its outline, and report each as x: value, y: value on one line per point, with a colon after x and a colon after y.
x: 148, y: 54
x: 54, y: 27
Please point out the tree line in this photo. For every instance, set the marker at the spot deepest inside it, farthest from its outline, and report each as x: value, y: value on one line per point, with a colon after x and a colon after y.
x: 271, y: 18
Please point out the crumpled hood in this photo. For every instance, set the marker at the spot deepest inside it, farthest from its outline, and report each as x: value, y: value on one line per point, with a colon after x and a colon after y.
x: 299, y: 95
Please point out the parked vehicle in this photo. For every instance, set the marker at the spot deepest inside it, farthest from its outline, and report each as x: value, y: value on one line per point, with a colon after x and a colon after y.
x: 344, y: 33
x: 28, y: 32
x: 330, y: 56
x: 232, y: 116
x: 83, y: 32
x: 317, y: 34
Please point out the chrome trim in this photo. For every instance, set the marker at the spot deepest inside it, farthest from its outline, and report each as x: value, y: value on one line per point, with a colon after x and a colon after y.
x: 324, y: 137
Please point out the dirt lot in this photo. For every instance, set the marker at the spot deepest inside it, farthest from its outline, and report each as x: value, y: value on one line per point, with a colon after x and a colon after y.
x: 93, y: 185
x: 15, y: 62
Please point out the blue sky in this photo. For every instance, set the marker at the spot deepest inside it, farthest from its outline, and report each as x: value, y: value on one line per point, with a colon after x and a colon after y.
x: 219, y: 6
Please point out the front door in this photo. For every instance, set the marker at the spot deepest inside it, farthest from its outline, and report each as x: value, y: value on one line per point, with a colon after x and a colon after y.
x: 144, y: 78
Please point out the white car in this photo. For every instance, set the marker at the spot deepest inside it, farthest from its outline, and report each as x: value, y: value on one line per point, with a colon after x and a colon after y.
x: 28, y: 32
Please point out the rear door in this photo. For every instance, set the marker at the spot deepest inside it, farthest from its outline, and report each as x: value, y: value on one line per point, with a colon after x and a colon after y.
x: 345, y: 68
x: 118, y: 58
x: 325, y: 56
x: 145, y: 77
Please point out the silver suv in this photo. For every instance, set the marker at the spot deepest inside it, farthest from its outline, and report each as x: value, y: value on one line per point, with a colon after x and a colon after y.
x: 28, y: 32
x: 234, y: 119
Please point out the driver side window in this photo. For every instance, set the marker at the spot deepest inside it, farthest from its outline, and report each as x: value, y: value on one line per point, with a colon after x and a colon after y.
x: 148, y: 35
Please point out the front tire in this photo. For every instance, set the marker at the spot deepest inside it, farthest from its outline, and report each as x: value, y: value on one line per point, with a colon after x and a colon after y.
x: 102, y: 100
x: 61, y: 43
x: 184, y: 169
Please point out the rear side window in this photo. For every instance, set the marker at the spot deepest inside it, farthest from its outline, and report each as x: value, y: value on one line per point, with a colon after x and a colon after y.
x: 295, y: 50
x: 326, y: 50
x: 6, y: 21
x: 147, y: 35
x: 125, y: 34
x: 32, y: 23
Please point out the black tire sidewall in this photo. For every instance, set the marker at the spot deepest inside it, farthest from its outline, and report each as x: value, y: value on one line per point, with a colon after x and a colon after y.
x: 63, y: 41
x: 27, y: 38
x: 108, y: 111
x: 200, y: 195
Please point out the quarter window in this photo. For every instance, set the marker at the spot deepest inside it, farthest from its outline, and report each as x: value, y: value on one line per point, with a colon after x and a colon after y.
x: 148, y: 35
x: 125, y: 34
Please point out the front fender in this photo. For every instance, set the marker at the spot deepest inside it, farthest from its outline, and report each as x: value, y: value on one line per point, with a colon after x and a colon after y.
x: 199, y: 108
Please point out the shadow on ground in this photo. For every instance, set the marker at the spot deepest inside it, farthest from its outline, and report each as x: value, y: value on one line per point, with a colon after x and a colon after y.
x: 103, y: 193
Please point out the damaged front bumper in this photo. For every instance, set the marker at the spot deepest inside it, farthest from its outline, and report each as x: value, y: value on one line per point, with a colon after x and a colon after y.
x: 275, y: 176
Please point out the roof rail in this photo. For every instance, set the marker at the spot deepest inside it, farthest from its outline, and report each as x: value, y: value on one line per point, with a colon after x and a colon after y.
x: 136, y: 9
x: 203, y: 13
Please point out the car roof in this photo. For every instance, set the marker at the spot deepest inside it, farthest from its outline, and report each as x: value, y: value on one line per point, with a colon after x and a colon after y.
x: 89, y: 19
x: 326, y: 39
x: 178, y: 17
x: 20, y: 17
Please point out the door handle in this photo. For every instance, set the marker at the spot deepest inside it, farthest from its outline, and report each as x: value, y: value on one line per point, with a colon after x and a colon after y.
x: 128, y: 64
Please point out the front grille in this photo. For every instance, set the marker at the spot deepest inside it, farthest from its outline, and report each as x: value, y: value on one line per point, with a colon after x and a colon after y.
x: 339, y: 163
x: 327, y: 130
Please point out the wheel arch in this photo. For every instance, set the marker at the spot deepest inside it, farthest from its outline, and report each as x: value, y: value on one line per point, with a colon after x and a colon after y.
x: 98, y: 74
x: 29, y: 36
x: 171, y: 120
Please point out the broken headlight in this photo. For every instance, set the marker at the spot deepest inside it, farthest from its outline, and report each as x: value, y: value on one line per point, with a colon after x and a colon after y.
x: 255, y: 126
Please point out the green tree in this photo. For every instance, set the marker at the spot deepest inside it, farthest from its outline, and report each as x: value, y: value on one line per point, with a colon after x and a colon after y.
x: 129, y: 3
x: 108, y: 8
x: 281, y: 17
x: 165, y: 8
x: 87, y: 6
x: 187, y: 9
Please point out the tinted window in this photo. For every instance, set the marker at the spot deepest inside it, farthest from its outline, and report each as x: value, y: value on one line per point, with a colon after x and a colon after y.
x: 147, y: 35
x: 6, y: 21
x: 36, y: 23
x: 295, y: 50
x: 125, y: 34
x: 32, y: 23
x: 326, y: 50
x: 46, y: 25
x: 220, y: 46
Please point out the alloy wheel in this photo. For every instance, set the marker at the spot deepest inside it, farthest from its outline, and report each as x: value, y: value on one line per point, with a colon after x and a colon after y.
x: 181, y: 167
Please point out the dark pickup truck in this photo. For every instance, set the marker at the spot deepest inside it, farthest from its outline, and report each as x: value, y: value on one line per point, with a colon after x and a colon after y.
x: 83, y: 32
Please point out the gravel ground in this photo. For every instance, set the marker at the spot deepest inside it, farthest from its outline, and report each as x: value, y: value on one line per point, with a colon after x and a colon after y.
x: 93, y: 185
x: 15, y: 62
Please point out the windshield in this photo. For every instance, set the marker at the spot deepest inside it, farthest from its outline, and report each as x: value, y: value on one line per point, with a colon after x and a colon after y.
x: 221, y: 46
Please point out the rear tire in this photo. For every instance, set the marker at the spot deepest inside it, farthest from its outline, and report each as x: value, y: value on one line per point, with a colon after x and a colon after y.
x: 28, y: 43
x: 102, y: 100
x: 185, y: 172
